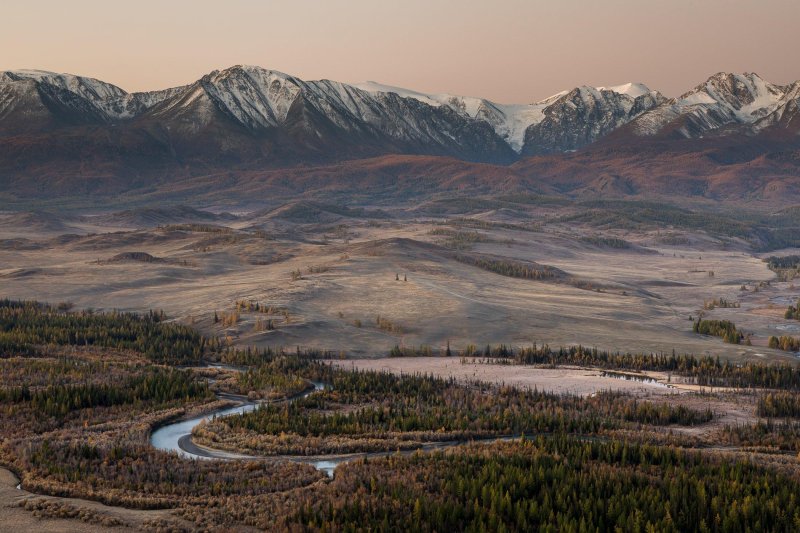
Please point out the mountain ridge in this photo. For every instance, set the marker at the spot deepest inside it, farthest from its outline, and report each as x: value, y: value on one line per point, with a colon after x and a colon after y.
x: 260, y: 99
x: 66, y: 134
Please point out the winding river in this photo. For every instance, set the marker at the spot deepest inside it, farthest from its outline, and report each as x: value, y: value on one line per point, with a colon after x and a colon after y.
x: 177, y: 437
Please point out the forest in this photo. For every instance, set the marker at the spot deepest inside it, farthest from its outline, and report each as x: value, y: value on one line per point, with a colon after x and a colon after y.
x: 154, y: 387
x: 76, y: 412
x: 365, y: 411
x: 26, y: 328
x: 556, y: 484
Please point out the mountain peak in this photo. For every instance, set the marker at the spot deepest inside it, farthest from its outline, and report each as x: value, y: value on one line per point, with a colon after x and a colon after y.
x: 632, y: 89
x: 31, y: 73
x: 734, y: 90
x: 254, y: 70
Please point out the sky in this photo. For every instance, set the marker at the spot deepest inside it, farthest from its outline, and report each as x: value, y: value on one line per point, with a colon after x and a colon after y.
x: 510, y: 51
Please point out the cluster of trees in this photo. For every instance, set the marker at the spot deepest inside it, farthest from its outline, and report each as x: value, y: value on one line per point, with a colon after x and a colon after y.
x: 606, y: 242
x: 263, y: 325
x: 387, y: 325
x: 779, y: 404
x: 664, y: 414
x: 554, y: 484
x: 276, y: 378
x: 231, y: 318
x: 380, y: 405
x: 787, y: 267
x: 254, y: 356
x: 719, y: 328
x: 227, y: 319
x: 253, y: 306
x: 423, y: 350
x: 793, y: 312
x: 766, y: 434
x: 721, y: 303
x: 783, y: 262
x: 459, y: 240
x: 154, y: 387
x: 25, y: 327
x: 197, y: 228
x: 785, y: 343
x: 514, y: 269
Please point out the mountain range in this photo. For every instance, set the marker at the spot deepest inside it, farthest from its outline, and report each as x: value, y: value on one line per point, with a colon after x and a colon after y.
x: 65, y: 134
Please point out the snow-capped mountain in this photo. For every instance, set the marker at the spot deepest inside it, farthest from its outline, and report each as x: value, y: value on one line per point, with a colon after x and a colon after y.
x: 325, y: 115
x: 725, y: 103
x: 258, y: 118
x: 588, y: 114
x: 786, y: 115
x: 321, y: 114
x: 68, y: 88
x: 33, y: 100
x: 36, y: 98
x: 508, y: 120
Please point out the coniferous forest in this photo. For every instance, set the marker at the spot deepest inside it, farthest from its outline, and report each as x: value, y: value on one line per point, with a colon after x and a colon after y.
x: 82, y: 391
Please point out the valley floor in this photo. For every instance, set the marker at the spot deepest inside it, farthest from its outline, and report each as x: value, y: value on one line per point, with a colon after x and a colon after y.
x: 327, y: 282
x: 264, y: 307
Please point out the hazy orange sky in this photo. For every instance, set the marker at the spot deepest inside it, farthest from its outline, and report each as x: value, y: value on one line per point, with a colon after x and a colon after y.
x: 506, y: 50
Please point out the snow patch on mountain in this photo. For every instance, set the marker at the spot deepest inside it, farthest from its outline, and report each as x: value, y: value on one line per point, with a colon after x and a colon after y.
x: 634, y: 90
x: 98, y: 94
x: 508, y: 120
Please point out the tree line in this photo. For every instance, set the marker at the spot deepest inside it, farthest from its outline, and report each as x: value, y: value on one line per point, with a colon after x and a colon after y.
x: 700, y: 370
x: 154, y: 387
x: 27, y: 327
x: 513, y: 269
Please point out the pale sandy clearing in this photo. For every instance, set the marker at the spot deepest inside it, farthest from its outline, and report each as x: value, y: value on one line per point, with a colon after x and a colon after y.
x: 581, y: 381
